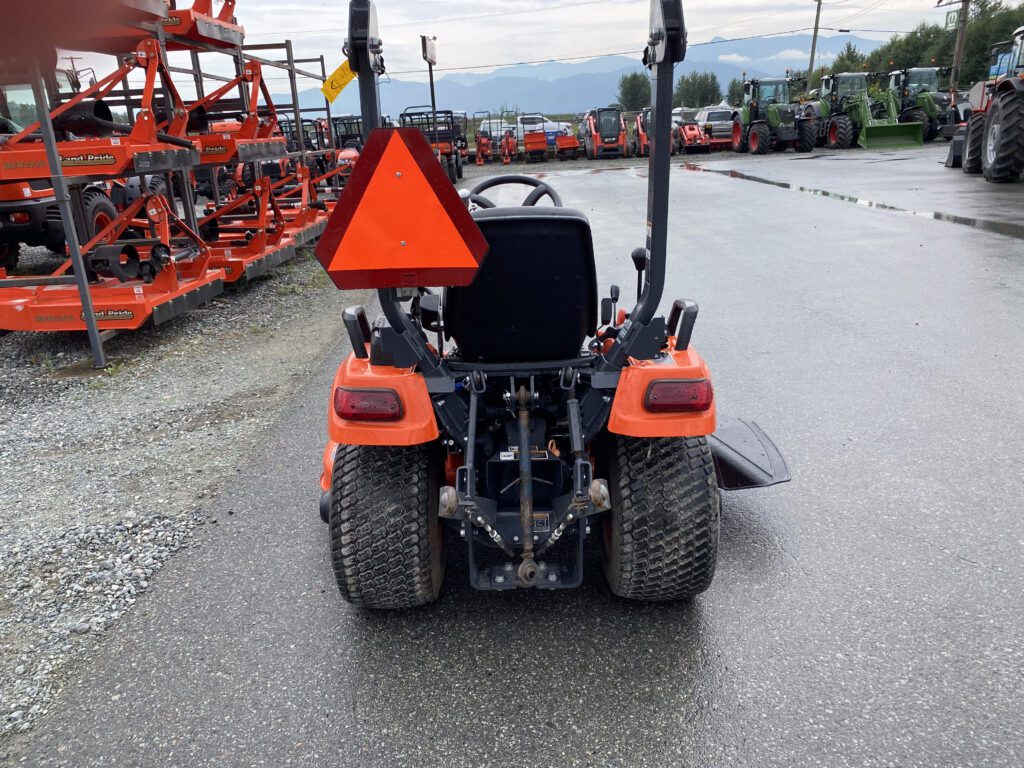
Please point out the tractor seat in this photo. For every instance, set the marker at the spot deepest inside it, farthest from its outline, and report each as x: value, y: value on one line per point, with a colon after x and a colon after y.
x: 534, y: 299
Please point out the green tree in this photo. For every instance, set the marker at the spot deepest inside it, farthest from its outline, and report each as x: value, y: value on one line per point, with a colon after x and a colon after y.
x: 735, y: 97
x: 634, y: 91
x: 850, y: 59
x: 697, y: 89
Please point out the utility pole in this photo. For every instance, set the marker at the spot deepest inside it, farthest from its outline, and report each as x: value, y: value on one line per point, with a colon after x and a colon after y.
x: 73, y: 59
x: 961, y: 43
x: 814, y: 44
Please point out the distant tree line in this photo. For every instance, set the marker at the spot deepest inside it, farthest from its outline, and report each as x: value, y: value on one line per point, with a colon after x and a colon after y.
x: 634, y: 91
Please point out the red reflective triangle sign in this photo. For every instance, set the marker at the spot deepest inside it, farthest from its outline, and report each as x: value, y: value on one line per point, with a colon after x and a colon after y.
x: 400, y: 222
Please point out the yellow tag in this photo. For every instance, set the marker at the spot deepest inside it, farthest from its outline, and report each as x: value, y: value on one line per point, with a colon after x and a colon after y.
x: 336, y: 83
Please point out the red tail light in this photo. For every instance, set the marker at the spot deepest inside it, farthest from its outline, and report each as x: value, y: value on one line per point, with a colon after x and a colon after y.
x: 20, y: 217
x: 367, y: 404
x: 679, y: 396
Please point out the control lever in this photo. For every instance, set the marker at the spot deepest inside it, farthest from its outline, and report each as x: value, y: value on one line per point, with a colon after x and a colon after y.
x: 608, y: 307
x: 639, y: 257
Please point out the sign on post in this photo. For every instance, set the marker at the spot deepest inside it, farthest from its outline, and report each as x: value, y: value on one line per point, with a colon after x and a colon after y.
x: 952, y: 19
x: 429, y: 50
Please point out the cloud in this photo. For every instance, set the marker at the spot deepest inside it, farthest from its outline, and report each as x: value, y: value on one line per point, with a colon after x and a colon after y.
x: 733, y: 58
x: 792, y: 54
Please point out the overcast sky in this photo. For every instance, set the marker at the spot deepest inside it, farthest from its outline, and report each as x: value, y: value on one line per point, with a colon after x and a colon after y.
x: 472, y: 33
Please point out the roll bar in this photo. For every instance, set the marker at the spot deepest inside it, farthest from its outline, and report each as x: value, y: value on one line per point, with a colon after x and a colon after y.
x: 666, y: 47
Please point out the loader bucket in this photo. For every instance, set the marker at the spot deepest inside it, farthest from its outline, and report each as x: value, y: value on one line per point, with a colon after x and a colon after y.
x: 891, y: 136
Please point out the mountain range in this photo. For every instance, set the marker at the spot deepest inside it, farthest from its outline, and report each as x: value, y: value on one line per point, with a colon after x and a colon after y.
x: 564, y: 87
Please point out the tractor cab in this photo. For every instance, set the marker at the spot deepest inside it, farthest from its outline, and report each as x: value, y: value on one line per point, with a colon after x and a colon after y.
x: 920, y: 99
x: 758, y: 95
x: 915, y: 81
x: 348, y: 132
x: 439, y: 128
x: 839, y: 88
x: 609, y: 123
x: 1015, y: 61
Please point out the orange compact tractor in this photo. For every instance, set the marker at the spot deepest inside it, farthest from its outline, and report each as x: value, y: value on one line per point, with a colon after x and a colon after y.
x: 511, y: 413
x: 567, y: 146
x: 693, y: 139
x: 439, y: 128
x: 604, y: 133
x: 535, y: 139
x: 509, y: 139
x: 483, y: 137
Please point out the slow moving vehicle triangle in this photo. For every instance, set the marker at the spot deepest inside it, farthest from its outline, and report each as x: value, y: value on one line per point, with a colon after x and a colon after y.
x: 400, y: 222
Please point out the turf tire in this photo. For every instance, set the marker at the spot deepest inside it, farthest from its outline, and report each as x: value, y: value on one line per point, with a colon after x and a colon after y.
x: 386, y: 541
x: 661, y: 537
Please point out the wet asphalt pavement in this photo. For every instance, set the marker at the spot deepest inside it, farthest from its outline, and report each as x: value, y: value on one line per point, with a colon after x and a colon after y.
x: 867, y: 614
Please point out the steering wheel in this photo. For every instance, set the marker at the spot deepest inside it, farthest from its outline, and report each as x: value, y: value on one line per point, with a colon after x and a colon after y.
x: 540, y: 190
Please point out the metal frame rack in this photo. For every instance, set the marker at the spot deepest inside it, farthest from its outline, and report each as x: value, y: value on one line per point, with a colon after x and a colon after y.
x: 158, y: 257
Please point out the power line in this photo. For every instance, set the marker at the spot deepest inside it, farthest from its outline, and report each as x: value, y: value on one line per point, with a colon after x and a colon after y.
x: 451, y: 19
x: 559, y: 59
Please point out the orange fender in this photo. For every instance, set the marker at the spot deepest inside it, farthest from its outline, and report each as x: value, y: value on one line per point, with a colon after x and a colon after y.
x: 629, y: 417
x: 417, y: 425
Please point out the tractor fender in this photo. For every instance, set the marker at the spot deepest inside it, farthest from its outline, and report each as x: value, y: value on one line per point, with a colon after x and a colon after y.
x: 1010, y: 84
x: 417, y: 424
x: 631, y: 418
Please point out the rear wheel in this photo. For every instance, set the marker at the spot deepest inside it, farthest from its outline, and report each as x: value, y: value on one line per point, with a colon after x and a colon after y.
x: 807, y: 135
x: 974, y: 141
x: 917, y: 116
x: 760, y: 139
x: 661, y: 537
x: 385, y: 533
x: 1002, y: 156
x: 449, y: 163
x: 459, y: 172
x: 99, y: 212
x: 739, y: 137
x: 9, y: 253
x: 840, y: 132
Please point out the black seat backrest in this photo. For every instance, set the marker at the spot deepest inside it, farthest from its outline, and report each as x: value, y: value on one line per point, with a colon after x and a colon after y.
x: 535, y: 296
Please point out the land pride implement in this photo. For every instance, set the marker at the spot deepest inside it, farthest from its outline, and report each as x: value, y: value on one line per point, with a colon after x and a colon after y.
x: 511, y: 413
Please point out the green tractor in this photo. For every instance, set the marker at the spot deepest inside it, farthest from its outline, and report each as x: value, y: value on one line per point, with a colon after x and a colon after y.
x: 847, y: 115
x: 767, y: 120
x: 921, y: 101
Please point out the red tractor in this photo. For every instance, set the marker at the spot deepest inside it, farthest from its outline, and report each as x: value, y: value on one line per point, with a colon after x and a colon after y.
x: 994, y: 142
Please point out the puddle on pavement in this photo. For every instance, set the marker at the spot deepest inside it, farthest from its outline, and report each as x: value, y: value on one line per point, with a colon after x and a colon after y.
x: 998, y: 227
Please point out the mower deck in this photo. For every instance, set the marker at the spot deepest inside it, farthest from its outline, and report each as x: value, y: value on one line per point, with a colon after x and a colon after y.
x: 116, y: 305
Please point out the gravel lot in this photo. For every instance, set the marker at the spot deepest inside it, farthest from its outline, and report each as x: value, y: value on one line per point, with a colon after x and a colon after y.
x: 106, y: 473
